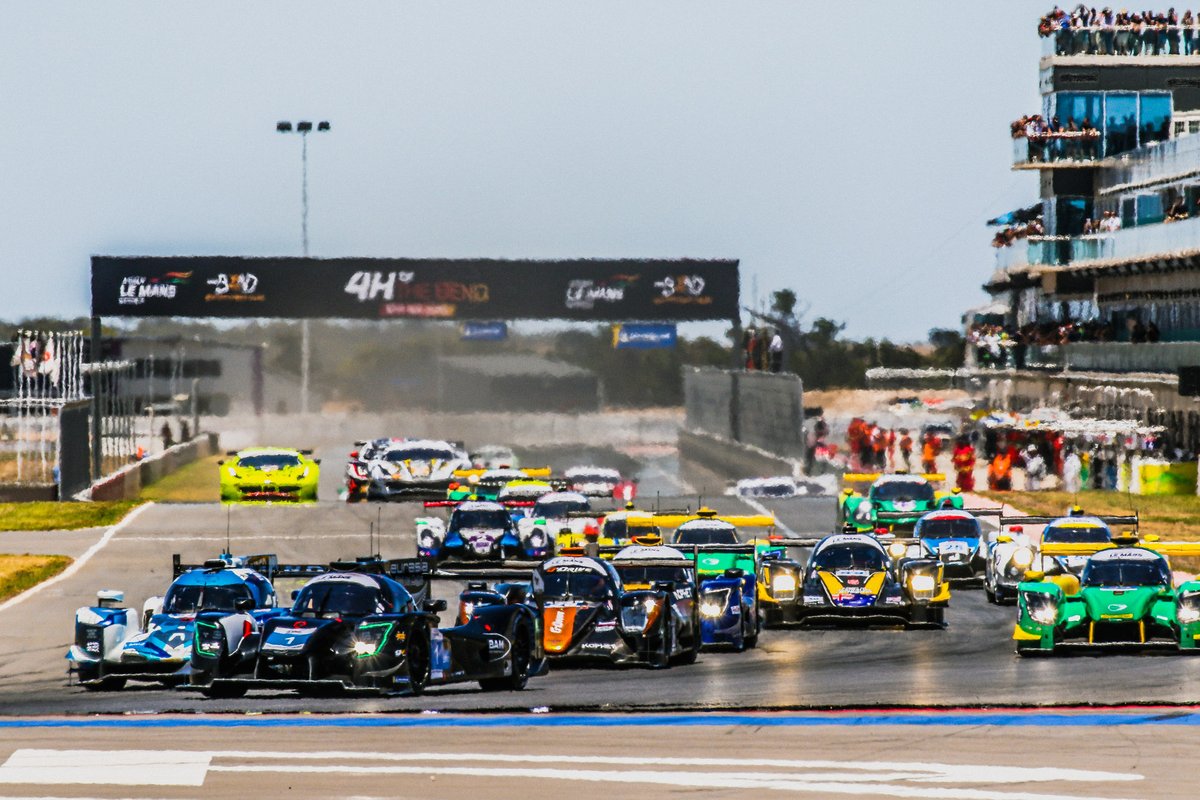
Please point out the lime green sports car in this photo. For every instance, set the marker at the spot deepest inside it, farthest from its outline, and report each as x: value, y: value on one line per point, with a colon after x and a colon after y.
x: 269, y: 474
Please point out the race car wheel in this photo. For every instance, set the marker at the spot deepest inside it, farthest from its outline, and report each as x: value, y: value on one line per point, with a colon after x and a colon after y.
x: 751, y: 638
x: 97, y: 683
x: 519, y: 662
x: 417, y: 659
x: 661, y: 658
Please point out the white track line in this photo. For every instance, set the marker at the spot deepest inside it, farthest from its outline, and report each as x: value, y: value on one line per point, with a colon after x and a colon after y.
x: 766, y: 512
x: 79, y: 562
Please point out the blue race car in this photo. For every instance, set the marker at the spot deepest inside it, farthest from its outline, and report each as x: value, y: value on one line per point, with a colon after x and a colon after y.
x: 728, y: 575
x: 479, y: 530
x: 953, y: 537
x: 112, y: 647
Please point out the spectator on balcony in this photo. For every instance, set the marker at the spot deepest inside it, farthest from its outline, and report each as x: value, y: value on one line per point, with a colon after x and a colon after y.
x: 1189, y: 33
x: 1177, y: 211
x: 1153, y: 335
x: 1137, y: 332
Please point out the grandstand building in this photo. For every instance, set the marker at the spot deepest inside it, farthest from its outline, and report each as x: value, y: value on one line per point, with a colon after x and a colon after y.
x: 1109, y: 255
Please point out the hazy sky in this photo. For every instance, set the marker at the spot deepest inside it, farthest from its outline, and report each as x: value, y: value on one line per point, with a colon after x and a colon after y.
x: 850, y: 150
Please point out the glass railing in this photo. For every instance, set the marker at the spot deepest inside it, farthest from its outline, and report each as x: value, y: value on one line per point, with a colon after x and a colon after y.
x: 1068, y: 146
x: 1034, y: 251
x: 1162, y: 239
x: 1153, y: 162
x: 1125, y: 40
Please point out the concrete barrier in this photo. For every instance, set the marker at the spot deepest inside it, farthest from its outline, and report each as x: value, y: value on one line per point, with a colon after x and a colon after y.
x: 127, y: 482
x: 732, y: 460
x: 760, y: 409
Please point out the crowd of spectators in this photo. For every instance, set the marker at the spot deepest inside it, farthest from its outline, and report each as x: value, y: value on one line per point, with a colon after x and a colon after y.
x: 1054, y: 140
x: 1088, y: 31
x: 1006, y: 236
x: 1006, y: 345
x: 762, y: 350
x: 1107, y: 222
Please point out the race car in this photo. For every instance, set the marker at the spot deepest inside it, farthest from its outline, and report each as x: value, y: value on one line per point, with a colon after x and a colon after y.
x: 561, y: 516
x: 413, y: 469
x: 588, y: 615
x: 269, y: 474
x: 647, y: 564
x: 525, y: 491
x: 593, y: 481
x: 113, y: 646
x: 493, y: 456
x: 1125, y: 598
x: 479, y: 530
x: 852, y: 576
x: 356, y: 626
x: 894, y: 501
x: 727, y: 571
x: 952, y: 537
x: 478, y: 594
x: 1014, y: 551
x: 365, y: 451
x: 482, y: 484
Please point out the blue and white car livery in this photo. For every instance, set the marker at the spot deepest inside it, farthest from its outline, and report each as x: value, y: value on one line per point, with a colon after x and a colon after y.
x: 953, y: 537
x: 479, y: 530
x: 113, y: 646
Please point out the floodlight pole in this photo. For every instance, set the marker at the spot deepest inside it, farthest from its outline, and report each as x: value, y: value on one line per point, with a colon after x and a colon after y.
x: 303, y: 127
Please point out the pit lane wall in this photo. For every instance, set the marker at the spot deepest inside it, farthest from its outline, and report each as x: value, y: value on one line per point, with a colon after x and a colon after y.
x: 127, y: 483
x: 747, y: 424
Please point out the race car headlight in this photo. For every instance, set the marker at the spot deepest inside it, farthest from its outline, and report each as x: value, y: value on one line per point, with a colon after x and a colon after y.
x: 641, y: 615
x: 208, y: 638
x: 305, y: 473
x: 714, y: 603
x: 370, y: 638
x: 897, y: 549
x: 1022, y: 557
x: 466, y: 610
x: 1041, y: 607
x: 1187, y: 607
x: 783, y: 585
x: 864, y: 510
x: 537, y: 538
x: 922, y: 586
x: 232, y: 472
x: 427, y: 539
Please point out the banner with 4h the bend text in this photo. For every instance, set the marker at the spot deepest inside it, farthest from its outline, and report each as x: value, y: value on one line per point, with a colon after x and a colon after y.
x: 451, y: 289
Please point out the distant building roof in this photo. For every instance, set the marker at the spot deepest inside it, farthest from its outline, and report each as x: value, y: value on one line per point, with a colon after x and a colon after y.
x: 517, y: 365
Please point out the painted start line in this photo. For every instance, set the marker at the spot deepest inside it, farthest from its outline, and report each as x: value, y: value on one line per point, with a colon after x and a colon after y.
x: 1137, y: 716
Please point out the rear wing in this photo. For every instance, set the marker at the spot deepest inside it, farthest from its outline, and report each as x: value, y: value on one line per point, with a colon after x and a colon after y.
x: 674, y: 519
x: 532, y: 472
x: 265, y: 564
x: 1181, y: 549
x: 871, y: 477
x: 897, y: 516
x: 1036, y: 520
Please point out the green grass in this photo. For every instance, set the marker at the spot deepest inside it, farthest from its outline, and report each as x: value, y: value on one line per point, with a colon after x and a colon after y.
x: 195, y: 483
x: 18, y: 573
x: 52, y: 516
x: 1173, y: 517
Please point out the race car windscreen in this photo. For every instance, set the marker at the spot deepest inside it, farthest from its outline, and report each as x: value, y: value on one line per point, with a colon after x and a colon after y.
x: 902, y: 490
x: 949, y: 529
x: 851, y: 556
x: 1119, y: 572
x: 269, y: 461
x: 580, y: 585
x: 593, y: 477
x: 190, y: 599
x: 636, y: 574
x: 706, y: 536
x: 770, y: 490
x: 557, y: 509
x: 333, y: 599
x: 1070, y: 534
x: 420, y: 454
x: 479, y: 518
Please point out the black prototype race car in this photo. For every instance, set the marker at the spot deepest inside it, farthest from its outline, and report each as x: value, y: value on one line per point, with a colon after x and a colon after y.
x: 356, y: 626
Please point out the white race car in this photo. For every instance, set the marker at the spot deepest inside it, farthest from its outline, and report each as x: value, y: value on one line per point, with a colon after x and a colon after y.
x: 593, y: 481
x: 414, y: 469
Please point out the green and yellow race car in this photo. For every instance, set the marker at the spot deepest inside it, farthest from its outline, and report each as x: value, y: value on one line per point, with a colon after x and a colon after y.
x: 269, y: 474
x: 1126, y: 596
x: 894, y: 501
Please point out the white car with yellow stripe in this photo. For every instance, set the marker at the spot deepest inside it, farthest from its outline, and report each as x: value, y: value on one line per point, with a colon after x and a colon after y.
x: 414, y: 469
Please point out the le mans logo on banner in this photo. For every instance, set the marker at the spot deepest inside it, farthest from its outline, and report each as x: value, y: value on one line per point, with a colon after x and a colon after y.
x: 137, y: 289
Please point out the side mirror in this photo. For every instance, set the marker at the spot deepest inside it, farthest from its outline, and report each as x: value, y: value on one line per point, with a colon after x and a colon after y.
x: 295, y: 593
x: 734, y: 572
x: 221, y: 463
x: 1003, y: 538
x: 1034, y: 575
x: 433, y: 606
x: 317, y: 461
x: 244, y: 604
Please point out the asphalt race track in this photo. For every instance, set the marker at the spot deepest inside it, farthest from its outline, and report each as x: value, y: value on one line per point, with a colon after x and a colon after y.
x: 970, y: 662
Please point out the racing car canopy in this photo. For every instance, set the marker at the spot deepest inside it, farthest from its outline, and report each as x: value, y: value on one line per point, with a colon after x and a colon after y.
x: 575, y: 577
x: 849, y: 551
x: 902, y: 487
x: 558, y: 505
x: 706, y: 531
x: 947, y: 524
x: 1126, y: 566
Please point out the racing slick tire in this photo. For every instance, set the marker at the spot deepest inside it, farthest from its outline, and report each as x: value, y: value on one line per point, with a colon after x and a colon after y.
x: 661, y: 658
x: 417, y: 661
x: 750, y: 639
x: 519, y: 661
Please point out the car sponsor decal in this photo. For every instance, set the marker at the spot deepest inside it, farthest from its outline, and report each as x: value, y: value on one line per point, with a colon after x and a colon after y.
x: 558, y: 624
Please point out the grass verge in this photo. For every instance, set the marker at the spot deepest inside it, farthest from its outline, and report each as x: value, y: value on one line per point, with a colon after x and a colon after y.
x: 18, y: 573
x: 54, y: 516
x: 1173, y: 517
x: 195, y: 483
